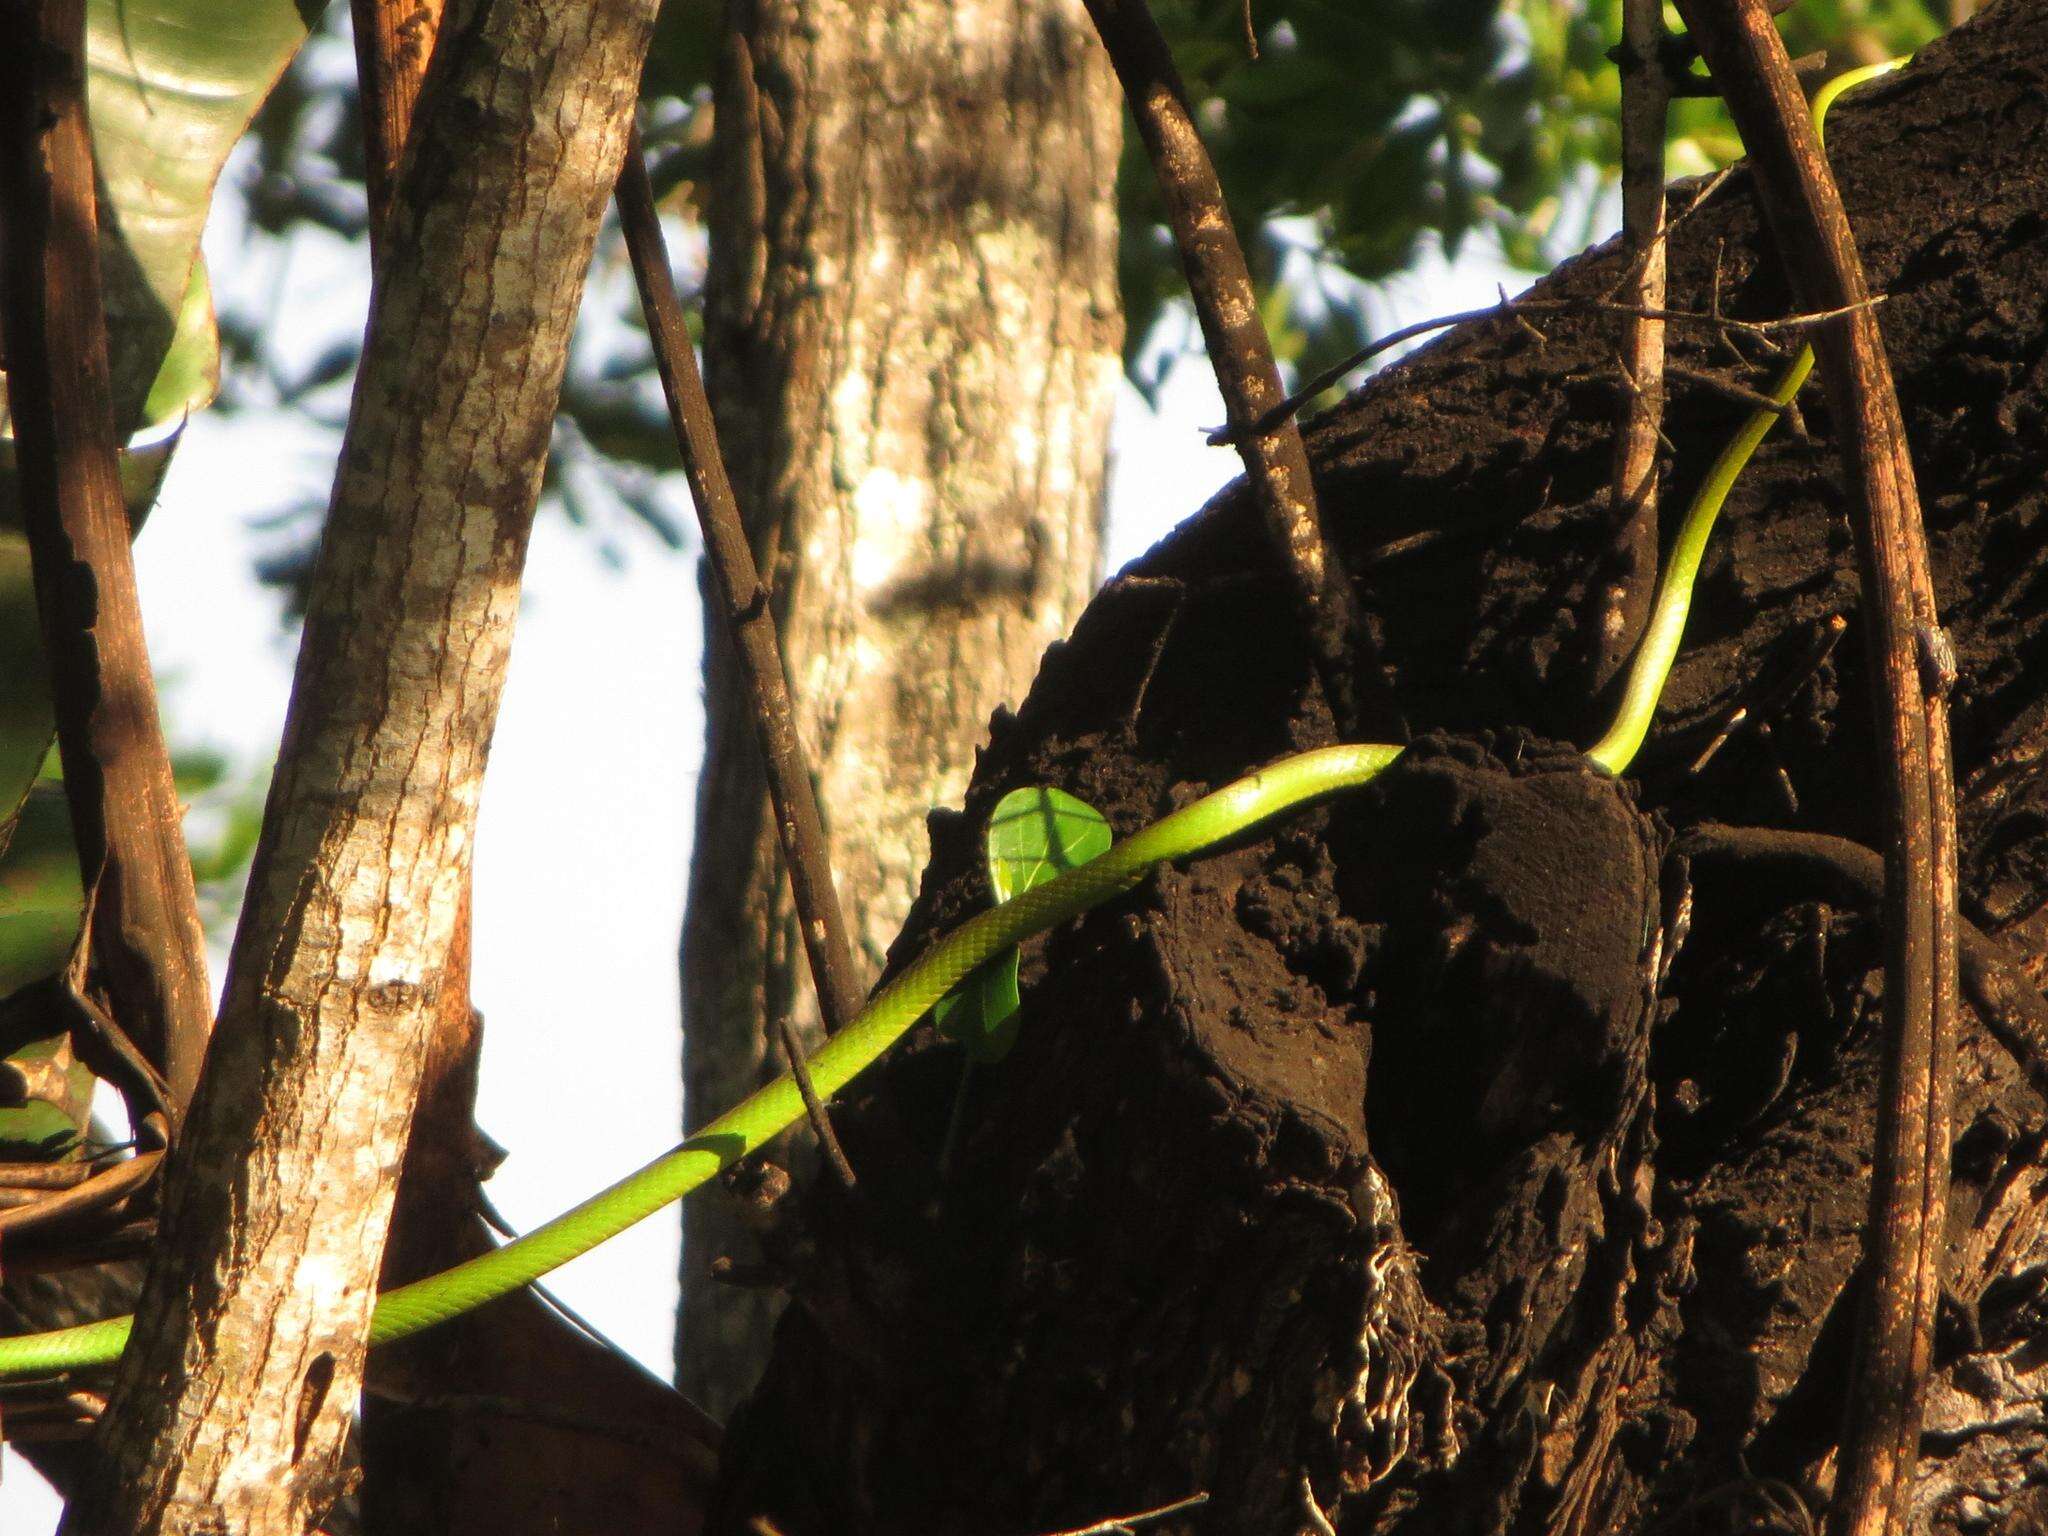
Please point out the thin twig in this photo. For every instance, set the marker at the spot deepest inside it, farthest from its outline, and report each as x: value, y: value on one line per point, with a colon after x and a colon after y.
x: 744, y: 602
x: 1669, y: 228
x: 1275, y: 462
x: 1627, y: 578
x: 1760, y: 697
x: 1515, y: 309
x: 814, y: 1107
x: 102, y: 1192
x: 1909, y: 1182
x: 707, y: 1427
x: 148, y: 948
x: 1721, y: 384
x: 50, y: 1412
x: 1116, y: 1524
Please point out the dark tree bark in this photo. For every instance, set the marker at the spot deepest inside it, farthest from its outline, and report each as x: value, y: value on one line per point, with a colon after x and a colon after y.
x: 911, y: 342
x: 1368, y: 1161
x: 148, y: 949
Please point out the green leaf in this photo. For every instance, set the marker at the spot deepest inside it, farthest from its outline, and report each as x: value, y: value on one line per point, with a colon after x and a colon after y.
x: 1038, y: 833
x: 45, y: 1092
x: 40, y: 898
x: 1035, y: 835
x: 45, y: 1101
x: 173, y: 85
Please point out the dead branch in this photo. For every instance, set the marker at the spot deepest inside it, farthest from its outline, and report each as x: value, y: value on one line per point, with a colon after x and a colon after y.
x: 148, y: 950
x: 1620, y: 597
x: 1909, y: 1184
x: 744, y: 600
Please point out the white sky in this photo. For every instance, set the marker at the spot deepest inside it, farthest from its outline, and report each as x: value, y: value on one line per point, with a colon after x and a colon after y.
x: 584, y: 839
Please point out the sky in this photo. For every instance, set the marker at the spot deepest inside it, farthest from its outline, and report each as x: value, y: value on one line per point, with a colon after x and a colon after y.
x: 584, y: 834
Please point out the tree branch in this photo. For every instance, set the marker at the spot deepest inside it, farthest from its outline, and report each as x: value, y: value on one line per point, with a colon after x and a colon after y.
x: 1909, y: 1184
x: 1275, y: 463
x: 148, y: 950
x: 394, y: 40
x: 238, y: 1388
x: 2009, y: 1005
x: 1516, y: 309
x: 448, y: 1471
x: 743, y: 598
x: 1620, y: 599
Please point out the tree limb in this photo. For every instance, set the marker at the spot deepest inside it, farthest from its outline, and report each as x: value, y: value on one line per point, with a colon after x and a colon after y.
x: 1220, y: 284
x: 1909, y: 1186
x: 238, y: 1389
x: 148, y: 950
x: 394, y: 40
x: 743, y: 597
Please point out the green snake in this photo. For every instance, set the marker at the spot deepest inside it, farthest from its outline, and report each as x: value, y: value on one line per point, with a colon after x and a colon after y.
x: 1269, y: 792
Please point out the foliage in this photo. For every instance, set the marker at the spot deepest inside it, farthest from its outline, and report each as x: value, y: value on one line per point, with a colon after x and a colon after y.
x: 1356, y: 135
x: 1033, y: 835
x: 169, y: 101
x: 1351, y: 139
x: 1348, y: 137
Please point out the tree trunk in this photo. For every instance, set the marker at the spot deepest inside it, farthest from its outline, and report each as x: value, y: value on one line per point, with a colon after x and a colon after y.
x: 232, y: 1404
x: 507, y: 1420
x: 1376, y: 1162
x: 912, y: 344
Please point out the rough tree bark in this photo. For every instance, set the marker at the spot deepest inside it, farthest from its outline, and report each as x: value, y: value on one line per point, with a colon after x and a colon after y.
x: 232, y: 1404
x: 1374, y: 1162
x: 510, y: 1419
x: 912, y: 344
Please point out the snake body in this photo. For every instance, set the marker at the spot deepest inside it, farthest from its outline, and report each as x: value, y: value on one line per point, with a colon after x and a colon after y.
x: 1259, y: 797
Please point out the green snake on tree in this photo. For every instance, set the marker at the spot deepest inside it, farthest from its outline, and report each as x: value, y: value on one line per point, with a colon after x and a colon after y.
x: 1269, y: 792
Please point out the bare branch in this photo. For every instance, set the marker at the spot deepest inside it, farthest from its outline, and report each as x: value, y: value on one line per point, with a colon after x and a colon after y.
x: 1519, y: 310
x: 238, y: 1388
x: 2008, y: 1002
x: 1275, y: 463
x: 1909, y: 1182
x: 101, y: 1192
x: 1622, y: 589
x: 1115, y: 1525
x: 744, y: 599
